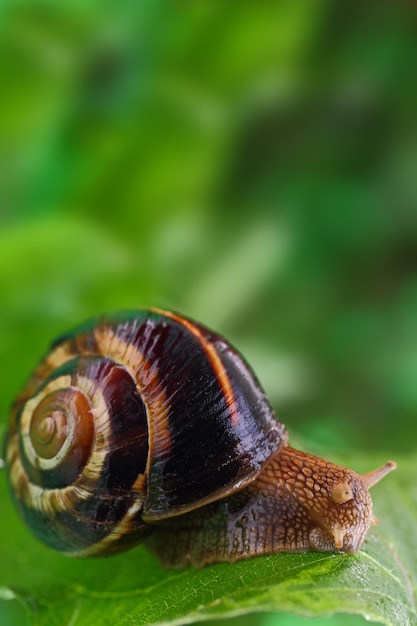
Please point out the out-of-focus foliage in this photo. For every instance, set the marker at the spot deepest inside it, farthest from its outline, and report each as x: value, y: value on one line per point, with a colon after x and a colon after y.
x: 251, y: 164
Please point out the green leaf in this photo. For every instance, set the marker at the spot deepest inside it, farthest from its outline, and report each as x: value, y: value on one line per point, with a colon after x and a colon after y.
x: 132, y: 588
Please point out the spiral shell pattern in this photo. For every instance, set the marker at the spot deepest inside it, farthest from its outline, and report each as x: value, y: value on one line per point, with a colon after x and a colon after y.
x: 132, y: 419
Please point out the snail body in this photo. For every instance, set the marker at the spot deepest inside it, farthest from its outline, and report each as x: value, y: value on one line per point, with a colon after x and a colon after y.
x: 148, y: 426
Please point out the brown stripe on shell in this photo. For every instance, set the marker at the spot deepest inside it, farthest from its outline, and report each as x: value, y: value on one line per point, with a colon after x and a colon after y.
x: 122, y: 349
x: 128, y: 353
x: 214, y: 359
x: 198, y: 470
x: 158, y: 412
x: 124, y: 531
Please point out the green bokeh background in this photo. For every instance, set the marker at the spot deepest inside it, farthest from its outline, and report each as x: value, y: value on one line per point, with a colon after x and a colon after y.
x: 250, y: 164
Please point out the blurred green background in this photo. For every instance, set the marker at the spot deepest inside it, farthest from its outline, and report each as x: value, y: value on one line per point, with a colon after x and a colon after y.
x: 250, y: 164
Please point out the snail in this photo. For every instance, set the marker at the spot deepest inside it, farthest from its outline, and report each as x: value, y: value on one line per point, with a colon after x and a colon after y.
x: 147, y: 426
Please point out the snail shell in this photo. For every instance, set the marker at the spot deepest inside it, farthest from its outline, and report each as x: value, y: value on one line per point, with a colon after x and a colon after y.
x: 147, y: 423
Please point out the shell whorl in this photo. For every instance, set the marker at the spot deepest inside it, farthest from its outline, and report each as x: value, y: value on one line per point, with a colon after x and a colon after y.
x: 70, y: 465
x: 120, y: 423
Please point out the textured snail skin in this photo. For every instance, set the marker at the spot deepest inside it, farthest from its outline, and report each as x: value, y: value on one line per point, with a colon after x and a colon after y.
x: 146, y: 425
x: 289, y: 507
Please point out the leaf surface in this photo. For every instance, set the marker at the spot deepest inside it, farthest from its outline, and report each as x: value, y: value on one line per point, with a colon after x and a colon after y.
x: 133, y: 589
